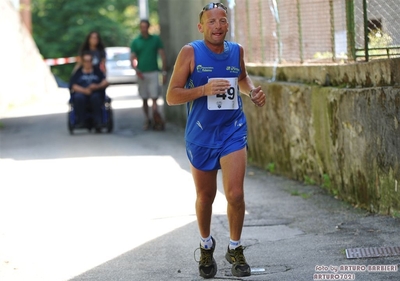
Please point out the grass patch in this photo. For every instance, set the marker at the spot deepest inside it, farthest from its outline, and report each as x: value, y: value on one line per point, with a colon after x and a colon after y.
x: 270, y: 168
x: 308, y: 180
x: 303, y: 195
x: 294, y: 193
x: 326, y: 181
x: 396, y: 215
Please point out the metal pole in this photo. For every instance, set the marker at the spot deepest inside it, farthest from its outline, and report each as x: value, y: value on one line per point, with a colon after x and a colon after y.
x: 300, y: 30
x: 333, y: 42
x: 261, y: 16
x: 249, y: 41
x: 351, y: 34
x: 261, y: 30
x: 143, y: 9
x: 365, y: 30
x: 236, y: 24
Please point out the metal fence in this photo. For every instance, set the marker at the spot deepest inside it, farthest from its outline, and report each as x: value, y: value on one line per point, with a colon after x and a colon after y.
x: 377, y: 28
x: 316, y: 31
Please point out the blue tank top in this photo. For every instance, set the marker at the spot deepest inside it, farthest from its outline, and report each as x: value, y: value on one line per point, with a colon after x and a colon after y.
x: 211, y: 128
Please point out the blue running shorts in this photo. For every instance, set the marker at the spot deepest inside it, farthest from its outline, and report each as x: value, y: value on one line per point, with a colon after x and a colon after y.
x: 208, y: 159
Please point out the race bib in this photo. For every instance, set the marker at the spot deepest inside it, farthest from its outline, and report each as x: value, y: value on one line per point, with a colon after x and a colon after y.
x: 227, y: 100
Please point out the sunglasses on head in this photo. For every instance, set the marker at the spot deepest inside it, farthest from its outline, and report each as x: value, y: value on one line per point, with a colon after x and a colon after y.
x: 215, y: 5
x: 211, y: 6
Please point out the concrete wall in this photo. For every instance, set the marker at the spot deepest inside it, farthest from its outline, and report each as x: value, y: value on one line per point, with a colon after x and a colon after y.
x: 24, y: 76
x: 333, y: 125
x: 178, y: 22
x: 346, y: 140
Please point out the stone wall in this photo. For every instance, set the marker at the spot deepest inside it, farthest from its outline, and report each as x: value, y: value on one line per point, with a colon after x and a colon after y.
x: 346, y: 140
x: 24, y: 75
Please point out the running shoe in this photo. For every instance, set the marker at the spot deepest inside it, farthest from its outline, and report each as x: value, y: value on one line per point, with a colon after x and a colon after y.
x: 240, y: 268
x: 207, y: 264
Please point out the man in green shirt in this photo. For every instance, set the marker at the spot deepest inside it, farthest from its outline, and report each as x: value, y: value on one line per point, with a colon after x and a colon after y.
x: 145, y: 50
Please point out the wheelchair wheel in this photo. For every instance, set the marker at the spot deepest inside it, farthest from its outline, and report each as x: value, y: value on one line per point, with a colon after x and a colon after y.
x: 71, y: 130
x: 110, y: 125
x: 70, y: 126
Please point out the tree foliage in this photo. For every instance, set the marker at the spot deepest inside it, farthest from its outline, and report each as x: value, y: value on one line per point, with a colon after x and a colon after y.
x: 60, y: 26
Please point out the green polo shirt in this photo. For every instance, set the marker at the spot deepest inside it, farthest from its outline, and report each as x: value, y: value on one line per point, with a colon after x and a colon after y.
x: 146, y: 50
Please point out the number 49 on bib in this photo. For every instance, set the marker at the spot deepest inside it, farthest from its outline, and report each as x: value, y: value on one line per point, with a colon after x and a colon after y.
x: 227, y: 100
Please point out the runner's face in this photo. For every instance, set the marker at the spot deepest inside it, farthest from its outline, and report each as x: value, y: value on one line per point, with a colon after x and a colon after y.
x: 214, y: 26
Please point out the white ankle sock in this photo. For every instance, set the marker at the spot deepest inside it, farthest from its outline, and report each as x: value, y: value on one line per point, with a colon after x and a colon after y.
x: 206, y: 243
x: 233, y: 244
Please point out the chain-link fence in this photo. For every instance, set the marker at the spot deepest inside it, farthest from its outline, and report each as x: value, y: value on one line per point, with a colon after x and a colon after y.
x: 377, y: 23
x: 316, y: 31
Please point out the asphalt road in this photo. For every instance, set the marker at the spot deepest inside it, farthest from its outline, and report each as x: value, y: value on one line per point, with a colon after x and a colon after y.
x: 120, y: 206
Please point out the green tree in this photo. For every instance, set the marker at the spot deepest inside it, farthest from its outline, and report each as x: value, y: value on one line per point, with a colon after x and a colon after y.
x: 60, y: 26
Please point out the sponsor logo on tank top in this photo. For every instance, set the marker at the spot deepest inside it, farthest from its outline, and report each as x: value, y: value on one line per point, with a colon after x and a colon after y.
x: 201, y: 68
x: 232, y: 69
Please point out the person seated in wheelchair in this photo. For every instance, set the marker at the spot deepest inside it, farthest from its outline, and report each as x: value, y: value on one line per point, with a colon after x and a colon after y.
x: 87, y: 86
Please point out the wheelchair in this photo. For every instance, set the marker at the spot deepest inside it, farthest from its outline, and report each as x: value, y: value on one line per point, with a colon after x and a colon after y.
x: 106, y: 117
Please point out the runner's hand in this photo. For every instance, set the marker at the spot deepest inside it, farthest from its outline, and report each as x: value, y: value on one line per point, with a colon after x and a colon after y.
x: 257, y: 96
x: 216, y: 86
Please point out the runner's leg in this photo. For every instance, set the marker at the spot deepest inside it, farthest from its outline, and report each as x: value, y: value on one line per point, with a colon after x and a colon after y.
x: 233, y: 168
x: 206, y: 189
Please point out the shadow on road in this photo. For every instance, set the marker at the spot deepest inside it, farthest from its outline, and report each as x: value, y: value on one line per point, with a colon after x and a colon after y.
x: 46, y: 136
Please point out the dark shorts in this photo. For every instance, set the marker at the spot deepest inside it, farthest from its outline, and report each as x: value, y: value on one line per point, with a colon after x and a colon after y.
x: 208, y: 159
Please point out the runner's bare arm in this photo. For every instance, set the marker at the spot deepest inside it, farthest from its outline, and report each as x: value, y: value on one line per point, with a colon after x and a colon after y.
x: 177, y: 93
x: 245, y: 83
x: 246, y: 86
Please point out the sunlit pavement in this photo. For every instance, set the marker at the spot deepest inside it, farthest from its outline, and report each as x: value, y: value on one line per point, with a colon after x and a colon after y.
x: 62, y: 216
